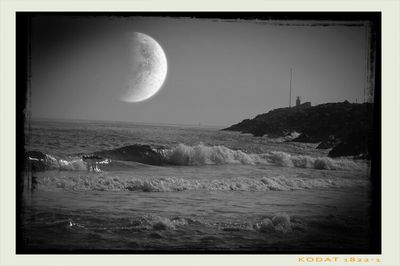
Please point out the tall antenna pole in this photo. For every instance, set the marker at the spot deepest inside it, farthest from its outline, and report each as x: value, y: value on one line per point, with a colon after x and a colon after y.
x: 290, y: 94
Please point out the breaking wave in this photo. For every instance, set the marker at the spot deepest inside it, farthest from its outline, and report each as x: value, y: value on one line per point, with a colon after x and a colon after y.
x: 67, y: 165
x: 93, y: 182
x: 49, y: 162
x: 203, y: 155
x: 304, y: 161
x: 276, y: 223
x: 196, y: 155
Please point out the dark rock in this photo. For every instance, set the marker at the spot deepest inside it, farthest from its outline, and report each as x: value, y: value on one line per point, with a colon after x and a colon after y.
x: 91, y: 157
x: 356, y: 144
x: 306, y: 139
x: 35, y: 161
x: 35, y: 154
x: 328, y: 143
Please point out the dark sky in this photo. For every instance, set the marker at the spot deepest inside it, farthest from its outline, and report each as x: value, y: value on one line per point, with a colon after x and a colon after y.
x: 219, y: 72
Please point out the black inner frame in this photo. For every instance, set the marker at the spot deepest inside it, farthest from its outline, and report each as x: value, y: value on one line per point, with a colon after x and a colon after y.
x: 23, y: 31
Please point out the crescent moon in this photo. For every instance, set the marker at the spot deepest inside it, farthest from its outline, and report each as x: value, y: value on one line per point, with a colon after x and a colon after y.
x: 147, y: 68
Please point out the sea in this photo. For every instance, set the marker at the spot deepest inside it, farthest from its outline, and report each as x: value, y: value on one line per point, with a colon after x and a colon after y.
x: 210, y: 191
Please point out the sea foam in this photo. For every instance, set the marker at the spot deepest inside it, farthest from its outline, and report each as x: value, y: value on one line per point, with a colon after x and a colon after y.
x: 64, y: 164
x: 50, y: 182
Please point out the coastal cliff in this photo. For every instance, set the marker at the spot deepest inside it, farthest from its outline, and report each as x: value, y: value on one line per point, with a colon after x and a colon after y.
x: 345, y: 127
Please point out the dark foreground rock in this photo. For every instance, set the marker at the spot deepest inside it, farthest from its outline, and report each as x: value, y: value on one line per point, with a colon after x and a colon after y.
x: 328, y: 143
x: 357, y: 144
x: 305, y: 138
x: 35, y: 161
x: 345, y: 127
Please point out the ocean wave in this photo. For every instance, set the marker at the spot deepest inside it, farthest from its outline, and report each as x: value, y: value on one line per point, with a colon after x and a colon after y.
x: 304, y: 161
x: 65, y: 164
x: 172, y: 184
x: 38, y: 161
x: 197, y: 155
x: 280, y: 223
x: 277, y: 223
x: 205, y: 155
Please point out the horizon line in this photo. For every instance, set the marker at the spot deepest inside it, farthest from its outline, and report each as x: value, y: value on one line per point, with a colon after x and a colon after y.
x: 124, y: 121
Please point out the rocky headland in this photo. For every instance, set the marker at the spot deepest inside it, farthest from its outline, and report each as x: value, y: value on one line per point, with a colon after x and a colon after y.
x: 345, y: 128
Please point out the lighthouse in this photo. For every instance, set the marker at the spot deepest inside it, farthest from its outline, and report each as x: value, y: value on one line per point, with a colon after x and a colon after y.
x: 298, y: 101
